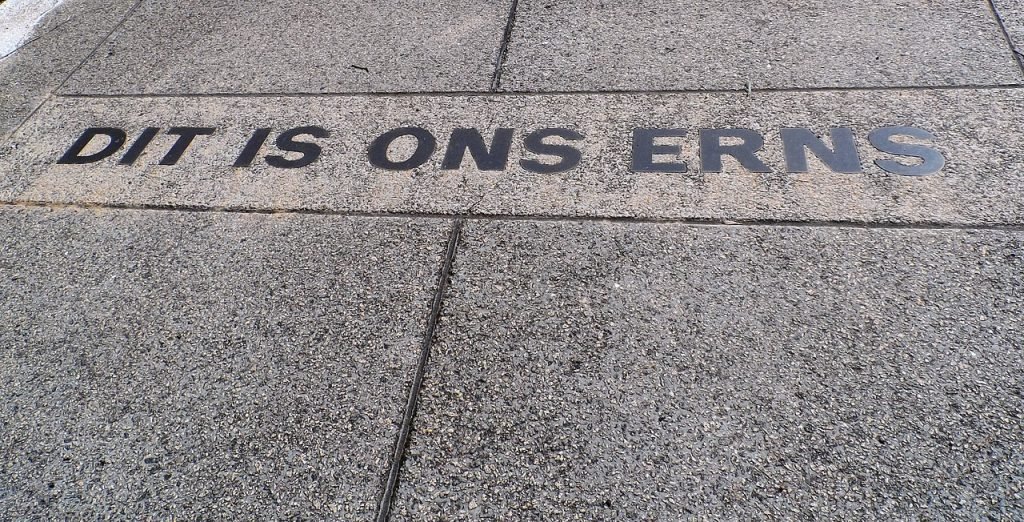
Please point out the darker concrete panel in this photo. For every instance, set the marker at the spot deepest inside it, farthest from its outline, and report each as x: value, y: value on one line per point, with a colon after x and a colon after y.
x: 660, y: 372
x: 644, y: 45
x: 166, y: 365
x: 60, y: 43
x: 282, y: 47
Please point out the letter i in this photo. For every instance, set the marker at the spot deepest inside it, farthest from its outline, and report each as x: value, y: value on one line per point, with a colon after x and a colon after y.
x: 140, y: 144
x: 252, y: 147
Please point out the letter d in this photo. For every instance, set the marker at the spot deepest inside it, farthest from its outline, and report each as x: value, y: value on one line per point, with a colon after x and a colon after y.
x: 73, y: 155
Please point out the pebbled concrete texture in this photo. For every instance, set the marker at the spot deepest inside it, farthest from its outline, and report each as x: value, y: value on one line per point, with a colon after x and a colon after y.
x: 281, y: 47
x: 18, y: 19
x: 200, y: 341
x: 1012, y: 14
x: 61, y: 41
x: 598, y: 371
x: 647, y: 45
x: 977, y: 131
x: 168, y: 365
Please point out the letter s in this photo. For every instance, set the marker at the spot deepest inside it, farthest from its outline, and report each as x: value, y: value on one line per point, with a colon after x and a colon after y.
x: 569, y: 156
x: 286, y: 142
x: 931, y: 159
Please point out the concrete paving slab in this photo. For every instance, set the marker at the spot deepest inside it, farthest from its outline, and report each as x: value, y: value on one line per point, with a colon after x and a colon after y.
x: 171, y: 365
x: 61, y: 41
x: 601, y: 371
x: 14, y: 108
x: 1011, y: 12
x: 571, y: 46
x: 280, y: 46
x: 619, y: 166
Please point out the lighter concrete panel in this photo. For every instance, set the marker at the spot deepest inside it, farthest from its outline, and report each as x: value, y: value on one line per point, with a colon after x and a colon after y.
x: 976, y: 132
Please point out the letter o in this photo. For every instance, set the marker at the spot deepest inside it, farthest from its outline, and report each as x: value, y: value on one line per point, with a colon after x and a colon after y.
x: 425, y: 145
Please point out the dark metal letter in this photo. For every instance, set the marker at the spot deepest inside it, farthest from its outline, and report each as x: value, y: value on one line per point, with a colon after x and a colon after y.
x: 644, y: 150
x: 140, y: 144
x: 425, y: 145
x: 570, y: 156
x: 931, y: 159
x: 712, y: 150
x: 843, y: 158
x: 462, y: 139
x: 286, y: 142
x: 252, y: 147
x: 185, y: 137
x: 73, y: 157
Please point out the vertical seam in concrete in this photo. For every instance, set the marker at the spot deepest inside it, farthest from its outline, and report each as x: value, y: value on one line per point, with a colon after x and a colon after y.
x: 49, y: 96
x: 106, y: 38
x: 1017, y: 56
x: 499, y: 65
x: 24, y: 120
x: 391, y: 481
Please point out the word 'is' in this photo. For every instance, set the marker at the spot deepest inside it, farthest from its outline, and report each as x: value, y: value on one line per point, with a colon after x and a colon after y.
x: 650, y: 152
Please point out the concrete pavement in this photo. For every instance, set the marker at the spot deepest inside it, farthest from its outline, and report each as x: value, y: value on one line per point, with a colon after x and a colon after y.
x: 513, y: 260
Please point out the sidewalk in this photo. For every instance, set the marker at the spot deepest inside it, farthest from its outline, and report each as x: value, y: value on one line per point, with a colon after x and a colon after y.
x: 521, y: 260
